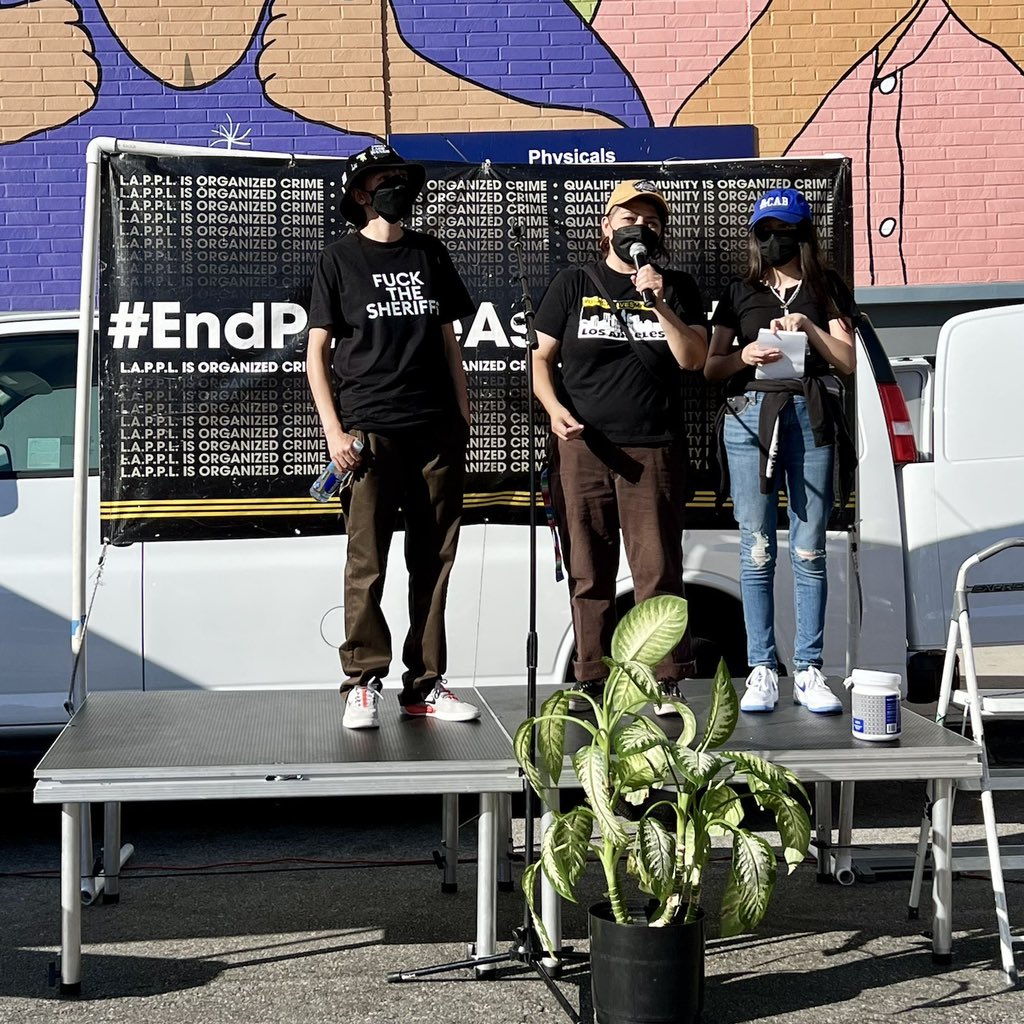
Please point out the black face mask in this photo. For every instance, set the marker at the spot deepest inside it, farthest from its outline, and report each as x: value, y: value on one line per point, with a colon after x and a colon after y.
x: 393, y: 199
x: 623, y: 238
x: 778, y: 248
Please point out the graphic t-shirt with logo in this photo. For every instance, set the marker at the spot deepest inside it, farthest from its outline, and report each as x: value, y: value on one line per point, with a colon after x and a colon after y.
x: 386, y: 303
x: 603, y: 383
x: 746, y: 309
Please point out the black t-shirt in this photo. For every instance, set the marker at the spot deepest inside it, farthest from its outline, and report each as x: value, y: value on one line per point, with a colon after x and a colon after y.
x: 603, y: 383
x: 386, y: 303
x: 746, y: 309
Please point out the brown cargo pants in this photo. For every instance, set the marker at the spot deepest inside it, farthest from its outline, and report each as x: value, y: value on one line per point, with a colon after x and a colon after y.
x: 422, y: 473
x: 599, y: 488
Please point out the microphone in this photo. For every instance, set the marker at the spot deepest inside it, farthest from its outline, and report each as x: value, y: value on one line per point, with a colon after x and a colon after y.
x: 517, y: 234
x: 638, y: 254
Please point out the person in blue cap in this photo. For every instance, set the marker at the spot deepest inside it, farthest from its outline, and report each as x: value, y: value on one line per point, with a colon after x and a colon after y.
x: 784, y: 425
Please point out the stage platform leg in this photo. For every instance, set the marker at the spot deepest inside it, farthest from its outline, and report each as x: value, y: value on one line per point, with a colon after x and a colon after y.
x: 505, y: 883
x: 111, y: 852
x: 842, y: 862
x: 823, y: 828
x: 450, y: 841
x: 487, y: 889
x: 71, y: 898
x: 942, y: 873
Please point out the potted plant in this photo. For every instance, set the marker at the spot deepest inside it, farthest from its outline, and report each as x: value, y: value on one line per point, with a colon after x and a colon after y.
x: 680, y: 794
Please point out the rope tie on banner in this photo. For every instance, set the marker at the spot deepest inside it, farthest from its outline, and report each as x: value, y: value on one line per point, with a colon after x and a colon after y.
x: 69, y: 704
x: 549, y: 515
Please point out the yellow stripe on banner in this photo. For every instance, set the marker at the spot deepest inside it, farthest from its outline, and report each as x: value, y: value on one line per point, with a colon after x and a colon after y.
x: 200, y: 507
x: 241, y: 502
x: 220, y: 514
x: 254, y: 507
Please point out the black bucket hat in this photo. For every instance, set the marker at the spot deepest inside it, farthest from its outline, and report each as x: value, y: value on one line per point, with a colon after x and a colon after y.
x: 378, y: 157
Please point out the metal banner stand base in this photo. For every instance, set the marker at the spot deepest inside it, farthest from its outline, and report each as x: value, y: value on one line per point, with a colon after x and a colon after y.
x: 526, y: 950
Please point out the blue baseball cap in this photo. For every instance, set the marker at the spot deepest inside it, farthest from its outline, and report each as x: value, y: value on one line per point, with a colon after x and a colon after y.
x: 785, y: 204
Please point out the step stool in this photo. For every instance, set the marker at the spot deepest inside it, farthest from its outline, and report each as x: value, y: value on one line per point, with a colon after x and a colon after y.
x: 976, y: 706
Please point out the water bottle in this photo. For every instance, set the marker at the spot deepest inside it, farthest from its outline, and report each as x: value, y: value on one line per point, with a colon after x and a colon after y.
x: 330, y: 481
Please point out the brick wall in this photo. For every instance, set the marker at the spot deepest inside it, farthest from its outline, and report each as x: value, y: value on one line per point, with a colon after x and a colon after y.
x: 927, y: 96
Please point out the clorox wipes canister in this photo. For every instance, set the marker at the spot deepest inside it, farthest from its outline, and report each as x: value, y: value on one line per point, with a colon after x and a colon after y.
x: 876, y: 698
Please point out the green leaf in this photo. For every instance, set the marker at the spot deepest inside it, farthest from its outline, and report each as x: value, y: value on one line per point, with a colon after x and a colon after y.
x: 521, y: 746
x: 689, y: 721
x: 721, y: 802
x: 760, y: 775
x: 794, y: 825
x: 696, y: 851
x: 621, y: 692
x: 725, y: 710
x: 655, y: 857
x: 750, y: 884
x: 697, y: 765
x: 565, y: 848
x: 637, y: 736
x: 660, y: 759
x: 529, y: 887
x: 551, y: 733
x: 643, y: 679
x: 634, y: 773
x: 592, y: 769
x: 649, y: 630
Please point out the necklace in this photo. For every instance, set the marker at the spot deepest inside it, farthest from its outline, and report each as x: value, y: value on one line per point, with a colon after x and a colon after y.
x: 781, y: 296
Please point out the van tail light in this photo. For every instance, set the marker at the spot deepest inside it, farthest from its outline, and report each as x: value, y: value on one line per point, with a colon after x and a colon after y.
x: 897, y: 422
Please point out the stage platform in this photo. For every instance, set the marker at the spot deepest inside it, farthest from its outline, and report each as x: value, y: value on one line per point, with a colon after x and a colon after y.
x: 196, y: 745
x: 818, y: 749
x: 202, y: 745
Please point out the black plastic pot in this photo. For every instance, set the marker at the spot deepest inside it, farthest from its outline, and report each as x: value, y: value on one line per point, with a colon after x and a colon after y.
x: 641, y: 975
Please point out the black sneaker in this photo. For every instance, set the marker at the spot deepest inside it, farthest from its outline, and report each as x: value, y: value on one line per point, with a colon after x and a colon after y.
x: 669, y: 692
x: 593, y: 688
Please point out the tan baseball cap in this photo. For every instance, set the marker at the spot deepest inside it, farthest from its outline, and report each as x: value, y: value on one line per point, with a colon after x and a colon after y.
x: 627, y: 191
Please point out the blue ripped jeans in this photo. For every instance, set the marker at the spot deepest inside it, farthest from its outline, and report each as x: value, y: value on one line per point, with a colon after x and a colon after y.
x: 808, y: 474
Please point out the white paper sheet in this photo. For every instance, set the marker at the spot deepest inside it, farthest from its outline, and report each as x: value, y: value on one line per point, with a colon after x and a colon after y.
x: 792, y: 345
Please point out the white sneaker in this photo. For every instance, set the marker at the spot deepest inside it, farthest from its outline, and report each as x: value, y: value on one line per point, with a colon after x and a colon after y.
x: 811, y: 690
x: 361, y: 706
x: 762, y: 693
x: 442, y: 703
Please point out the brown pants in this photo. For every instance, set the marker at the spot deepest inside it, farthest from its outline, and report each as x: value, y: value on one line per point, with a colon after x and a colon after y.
x: 423, y: 474
x: 598, y: 489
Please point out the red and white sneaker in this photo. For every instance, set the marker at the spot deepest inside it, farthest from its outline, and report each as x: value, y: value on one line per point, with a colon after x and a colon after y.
x: 443, y: 704
x: 361, y: 706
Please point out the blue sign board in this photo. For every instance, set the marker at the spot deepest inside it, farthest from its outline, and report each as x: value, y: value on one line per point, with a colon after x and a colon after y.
x: 582, y: 147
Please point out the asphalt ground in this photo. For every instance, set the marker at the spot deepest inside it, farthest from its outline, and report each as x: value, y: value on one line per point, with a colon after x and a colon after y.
x: 264, y: 912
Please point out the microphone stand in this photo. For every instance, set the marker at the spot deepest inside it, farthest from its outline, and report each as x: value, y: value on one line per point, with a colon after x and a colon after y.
x: 526, y: 946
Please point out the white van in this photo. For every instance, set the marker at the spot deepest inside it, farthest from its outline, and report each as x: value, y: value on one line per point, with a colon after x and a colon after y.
x: 267, y: 613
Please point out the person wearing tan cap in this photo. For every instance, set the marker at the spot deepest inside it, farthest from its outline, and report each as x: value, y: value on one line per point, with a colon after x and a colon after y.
x: 612, y: 340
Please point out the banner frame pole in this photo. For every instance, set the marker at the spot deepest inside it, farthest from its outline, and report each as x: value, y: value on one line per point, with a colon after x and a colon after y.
x: 97, y: 149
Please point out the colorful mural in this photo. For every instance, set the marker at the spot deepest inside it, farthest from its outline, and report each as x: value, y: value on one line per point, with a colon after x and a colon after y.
x: 927, y: 96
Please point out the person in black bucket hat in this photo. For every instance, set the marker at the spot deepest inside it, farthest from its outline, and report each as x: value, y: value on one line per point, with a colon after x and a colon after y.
x: 393, y: 196
x: 392, y: 400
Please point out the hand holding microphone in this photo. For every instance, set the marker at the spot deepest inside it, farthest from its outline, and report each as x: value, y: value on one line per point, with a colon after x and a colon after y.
x: 640, y: 258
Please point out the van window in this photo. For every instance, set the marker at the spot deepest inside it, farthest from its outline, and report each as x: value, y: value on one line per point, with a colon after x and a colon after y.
x: 37, y: 406
x: 983, y: 414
